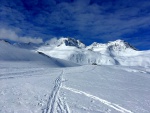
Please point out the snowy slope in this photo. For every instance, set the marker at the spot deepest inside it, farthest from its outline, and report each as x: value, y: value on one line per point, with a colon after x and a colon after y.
x: 9, y: 52
x: 31, y: 82
x: 117, y: 52
x: 29, y: 46
x: 31, y: 88
x: 75, y: 54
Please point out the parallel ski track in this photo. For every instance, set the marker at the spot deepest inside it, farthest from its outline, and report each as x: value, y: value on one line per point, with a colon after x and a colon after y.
x: 62, y: 106
x: 55, y: 104
x: 110, y: 104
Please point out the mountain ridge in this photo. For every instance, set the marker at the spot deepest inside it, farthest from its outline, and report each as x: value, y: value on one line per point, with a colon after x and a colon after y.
x: 116, y: 52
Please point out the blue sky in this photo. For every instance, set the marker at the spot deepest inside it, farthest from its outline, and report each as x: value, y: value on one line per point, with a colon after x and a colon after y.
x: 87, y: 20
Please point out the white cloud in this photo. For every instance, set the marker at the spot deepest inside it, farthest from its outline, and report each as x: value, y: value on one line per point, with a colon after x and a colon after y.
x: 53, y: 41
x: 12, y: 35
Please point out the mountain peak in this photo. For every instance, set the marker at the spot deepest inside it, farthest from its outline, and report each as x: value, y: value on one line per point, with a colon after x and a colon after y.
x: 117, y: 42
x: 120, y: 44
x: 95, y: 44
x: 112, y: 46
x: 70, y: 42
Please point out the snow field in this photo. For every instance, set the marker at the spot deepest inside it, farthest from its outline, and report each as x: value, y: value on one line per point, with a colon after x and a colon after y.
x: 30, y: 88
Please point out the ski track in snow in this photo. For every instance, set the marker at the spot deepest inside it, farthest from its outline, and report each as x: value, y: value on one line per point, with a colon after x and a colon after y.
x: 110, y: 104
x: 63, y: 107
x: 55, y: 104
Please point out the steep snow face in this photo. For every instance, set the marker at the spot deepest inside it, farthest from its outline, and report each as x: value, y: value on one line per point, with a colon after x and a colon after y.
x: 9, y: 52
x: 117, y: 52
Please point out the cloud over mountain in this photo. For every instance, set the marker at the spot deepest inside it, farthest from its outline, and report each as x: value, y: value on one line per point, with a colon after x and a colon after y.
x: 13, y: 36
x: 87, y: 20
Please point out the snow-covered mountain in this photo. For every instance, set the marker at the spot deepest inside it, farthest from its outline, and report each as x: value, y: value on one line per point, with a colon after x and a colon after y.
x: 9, y: 52
x: 66, y: 42
x: 116, y: 52
x: 118, y: 47
x: 31, y: 82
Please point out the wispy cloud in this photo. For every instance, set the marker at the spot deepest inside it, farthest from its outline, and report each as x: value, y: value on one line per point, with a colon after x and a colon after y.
x: 86, y: 19
x: 12, y: 35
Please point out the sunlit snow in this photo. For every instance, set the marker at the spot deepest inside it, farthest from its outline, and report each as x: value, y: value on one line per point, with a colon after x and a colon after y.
x: 31, y: 82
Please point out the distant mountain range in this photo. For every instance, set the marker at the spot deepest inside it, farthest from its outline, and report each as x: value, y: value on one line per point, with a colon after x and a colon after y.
x: 116, y: 52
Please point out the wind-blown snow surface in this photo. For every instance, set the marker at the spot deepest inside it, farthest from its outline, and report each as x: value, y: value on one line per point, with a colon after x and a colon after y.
x: 26, y: 87
x: 118, y: 52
